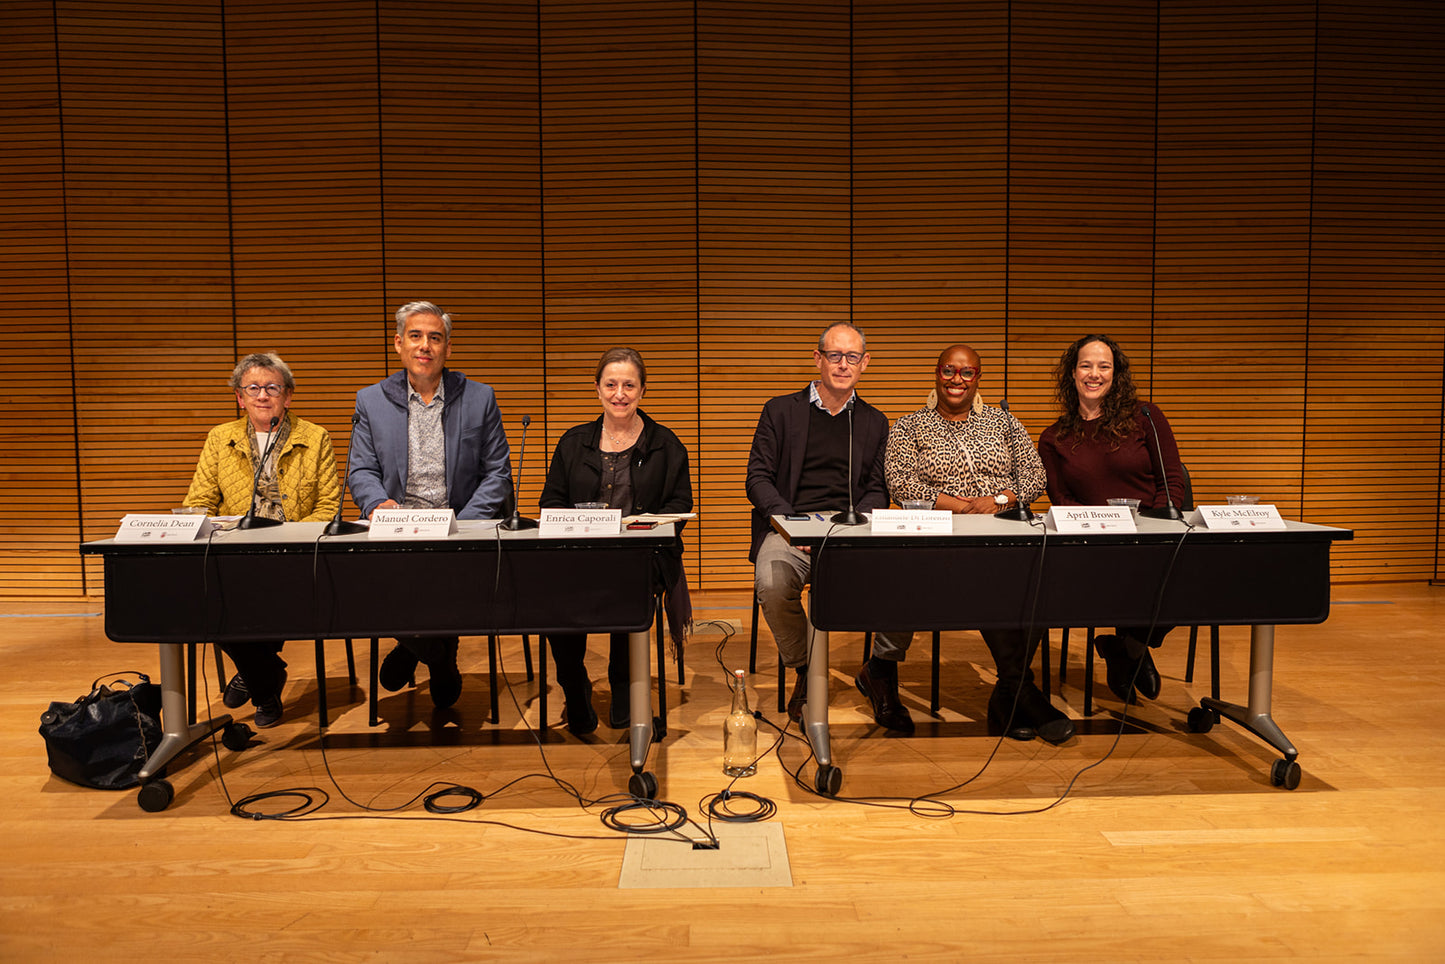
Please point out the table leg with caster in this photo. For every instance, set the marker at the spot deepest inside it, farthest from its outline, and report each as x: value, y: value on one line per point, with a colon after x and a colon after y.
x: 815, y: 716
x: 177, y: 732
x: 640, y: 730
x: 1256, y: 716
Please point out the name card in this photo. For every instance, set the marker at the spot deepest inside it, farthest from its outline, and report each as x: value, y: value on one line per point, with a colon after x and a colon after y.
x: 579, y: 522
x: 912, y: 522
x: 147, y: 527
x: 1091, y: 518
x: 412, y: 524
x: 1260, y: 517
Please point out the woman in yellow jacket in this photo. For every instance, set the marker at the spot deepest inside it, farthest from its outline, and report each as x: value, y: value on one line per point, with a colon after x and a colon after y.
x: 299, y: 483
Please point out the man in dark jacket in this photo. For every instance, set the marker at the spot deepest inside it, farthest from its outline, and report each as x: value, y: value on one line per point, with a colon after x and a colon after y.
x: 799, y: 463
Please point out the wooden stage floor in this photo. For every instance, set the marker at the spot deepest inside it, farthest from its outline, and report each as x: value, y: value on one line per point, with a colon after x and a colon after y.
x: 1175, y: 847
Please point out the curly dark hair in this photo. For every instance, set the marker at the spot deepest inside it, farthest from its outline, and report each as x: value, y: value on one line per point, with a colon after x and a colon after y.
x: 1119, y: 406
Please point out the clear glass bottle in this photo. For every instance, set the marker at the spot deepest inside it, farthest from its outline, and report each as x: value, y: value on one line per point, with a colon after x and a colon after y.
x: 740, y: 732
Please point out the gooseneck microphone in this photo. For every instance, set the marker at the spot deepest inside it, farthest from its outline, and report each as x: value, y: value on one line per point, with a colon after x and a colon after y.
x: 338, y: 527
x: 1019, y: 511
x: 515, y: 521
x: 1169, y: 510
x: 250, y: 520
x: 852, y: 517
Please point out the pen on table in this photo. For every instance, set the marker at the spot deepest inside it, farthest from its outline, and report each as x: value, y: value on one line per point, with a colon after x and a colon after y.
x: 818, y: 516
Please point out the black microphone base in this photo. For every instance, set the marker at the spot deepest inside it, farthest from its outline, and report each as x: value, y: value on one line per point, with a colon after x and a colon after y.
x: 1019, y: 513
x: 1163, y: 512
x: 517, y: 523
x: 339, y: 527
x: 256, y: 522
x: 849, y: 518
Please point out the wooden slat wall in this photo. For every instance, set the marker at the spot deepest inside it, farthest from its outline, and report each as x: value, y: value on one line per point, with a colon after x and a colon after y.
x: 37, y: 423
x: 772, y: 158
x: 143, y: 100
x: 1249, y: 197
x: 1232, y: 242
x: 930, y: 189
x: 1081, y: 152
x: 620, y: 198
x: 1372, y: 432
x: 462, y: 197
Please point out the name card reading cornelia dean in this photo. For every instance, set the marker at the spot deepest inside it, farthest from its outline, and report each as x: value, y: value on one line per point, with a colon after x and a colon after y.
x: 1092, y: 518
x: 412, y: 524
x: 553, y: 523
x: 145, y: 527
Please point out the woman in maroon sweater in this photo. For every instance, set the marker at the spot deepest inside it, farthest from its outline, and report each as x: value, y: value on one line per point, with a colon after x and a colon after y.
x: 1102, y: 447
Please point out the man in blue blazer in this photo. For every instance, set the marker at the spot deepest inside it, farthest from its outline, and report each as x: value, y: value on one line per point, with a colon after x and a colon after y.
x: 428, y: 438
x: 799, y: 463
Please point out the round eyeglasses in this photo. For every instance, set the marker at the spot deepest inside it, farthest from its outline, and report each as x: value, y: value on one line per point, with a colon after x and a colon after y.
x: 255, y: 391
x: 948, y: 373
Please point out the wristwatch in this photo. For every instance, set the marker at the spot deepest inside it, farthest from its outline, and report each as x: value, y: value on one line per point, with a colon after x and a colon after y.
x: 1000, y: 500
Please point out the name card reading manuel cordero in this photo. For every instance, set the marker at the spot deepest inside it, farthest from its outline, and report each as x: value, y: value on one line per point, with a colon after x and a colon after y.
x: 412, y: 524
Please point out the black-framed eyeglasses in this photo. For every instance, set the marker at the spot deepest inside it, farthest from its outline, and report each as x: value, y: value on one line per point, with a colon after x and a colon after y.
x: 948, y: 373
x: 834, y: 357
x: 255, y: 391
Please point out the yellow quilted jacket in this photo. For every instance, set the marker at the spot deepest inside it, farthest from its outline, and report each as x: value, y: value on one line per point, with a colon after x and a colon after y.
x: 310, y: 487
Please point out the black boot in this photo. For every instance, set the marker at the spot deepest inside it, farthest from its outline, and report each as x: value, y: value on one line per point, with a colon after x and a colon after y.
x: 879, y: 683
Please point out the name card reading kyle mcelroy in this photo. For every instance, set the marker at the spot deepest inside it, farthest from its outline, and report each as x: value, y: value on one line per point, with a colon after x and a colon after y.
x: 1257, y: 517
x: 553, y: 523
x: 911, y: 522
x: 412, y: 524
x: 1091, y: 518
x: 144, y: 527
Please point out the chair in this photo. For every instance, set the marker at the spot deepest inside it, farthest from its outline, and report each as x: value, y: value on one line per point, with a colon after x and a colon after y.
x: 321, y: 707
x: 867, y: 651
x: 373, y: 707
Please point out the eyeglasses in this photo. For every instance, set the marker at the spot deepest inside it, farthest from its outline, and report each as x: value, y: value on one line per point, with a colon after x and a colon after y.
x: 948, y: 373
x: 255, y: 390
x: 854, y: 357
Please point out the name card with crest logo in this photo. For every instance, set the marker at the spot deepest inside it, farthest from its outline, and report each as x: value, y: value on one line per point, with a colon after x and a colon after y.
x: 1260, y: 518
x: 911, y: 522
x: 555, y: 523
x: 412, y: 524
x: 154, y: 527
x: 1091, y: 518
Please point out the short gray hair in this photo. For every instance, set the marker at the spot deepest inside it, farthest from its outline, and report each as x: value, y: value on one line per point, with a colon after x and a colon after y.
x: 822, y: 338
x: 421, y: 308
x: 268, y: 360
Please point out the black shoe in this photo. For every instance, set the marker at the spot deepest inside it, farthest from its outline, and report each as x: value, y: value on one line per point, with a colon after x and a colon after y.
x: 236, y: 693
x: 888, y: 711
x: 1120, y: 666
x: 578, y: 714
x: 799, y: 698
x: 1147, y: 682
x: 398, y: 669
x: 1000, y: 705
x: 268, y: 710
x: 1035, y: 710
x: 446, y: 679
x: 268, y: 713
x: 619, y: 714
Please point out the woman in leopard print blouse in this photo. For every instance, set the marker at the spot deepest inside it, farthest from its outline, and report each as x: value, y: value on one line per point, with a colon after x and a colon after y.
x: 959, y: 453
